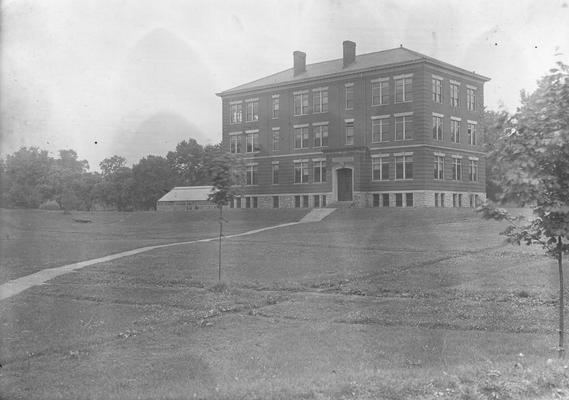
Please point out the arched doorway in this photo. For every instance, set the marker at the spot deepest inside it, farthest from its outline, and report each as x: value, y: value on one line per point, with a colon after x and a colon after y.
x: 345, y: 190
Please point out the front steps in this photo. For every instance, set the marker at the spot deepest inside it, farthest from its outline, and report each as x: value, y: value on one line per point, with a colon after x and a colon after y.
x: 317, y: 214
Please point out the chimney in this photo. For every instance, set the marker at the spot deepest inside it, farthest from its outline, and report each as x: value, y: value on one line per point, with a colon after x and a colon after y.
x: 349, y: 52
x: 299, y: 62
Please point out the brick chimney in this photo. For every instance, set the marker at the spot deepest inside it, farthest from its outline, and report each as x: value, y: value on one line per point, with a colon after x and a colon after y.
x: 349, y: 52
x: 299, y: 62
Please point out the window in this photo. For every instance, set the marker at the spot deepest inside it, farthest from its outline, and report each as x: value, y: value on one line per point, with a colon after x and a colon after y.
x: 320, y: 100
x: 296, y: 201
x: 437, y: 90
x: 454, y: 131
x: 323, y: 200
x: 275, y: 201
x: 235, y: 144
x: 439, y: 167
x: 471, y: 132
x: 442, y: 199
x: 379, y: 129
x: 252, y: 174
x: 316, y: 201
x: 409, y: 199
x: 321, y: 136
x: 473, y: 171
x: 276, y: 139
x: 376, y: 199
x: 404, y: 167
x: 275, y: 174
x: 252, y: 142
x: 398, y: 199
x: 456, y: 169
x: 301, y: 137
x: 471, y: 99
x: 437, y: 127
x: 472, y: 201
x: 385, y: 200
x: 403, y: 127
x: 319, y: 169
x: 235, y: 113
x: 238, y: 202
x: 403, y: 90
x: 454, y: 200
x: 275, y: 107
x: 305, y: 201
x: 247, y: 202
x: 252, y: 111
x: 350, y: 96
x: 436, y: 199
x: 380, y: 93
x: 460, y: 199
x: 300, y: 103
x: 380, y: 168
x: 301, y: 172
x: 454, y: 94
x: 350, y: 132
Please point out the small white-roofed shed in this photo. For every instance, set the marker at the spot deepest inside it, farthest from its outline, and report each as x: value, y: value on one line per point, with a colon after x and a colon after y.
x: 185, y: 198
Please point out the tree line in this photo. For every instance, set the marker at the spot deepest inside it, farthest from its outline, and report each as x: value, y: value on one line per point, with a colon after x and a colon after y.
x: 31, y: 178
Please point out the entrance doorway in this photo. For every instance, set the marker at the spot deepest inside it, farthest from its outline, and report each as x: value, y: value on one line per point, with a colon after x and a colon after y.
x: 345, y: 184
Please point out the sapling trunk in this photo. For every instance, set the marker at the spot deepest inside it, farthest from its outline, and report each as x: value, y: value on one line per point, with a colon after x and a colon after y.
x: 561, y: 306
x: 220, y: 234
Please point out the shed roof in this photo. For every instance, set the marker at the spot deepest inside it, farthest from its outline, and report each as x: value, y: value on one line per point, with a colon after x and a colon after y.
x: 187, y: 193
x: 384, y: 58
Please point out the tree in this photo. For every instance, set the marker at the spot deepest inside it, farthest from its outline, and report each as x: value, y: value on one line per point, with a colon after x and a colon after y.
x: 116, y: 188
x: 534, y: 152
x: 65, y: 176
x: 152, y: 178
x: 225, y: 173
x: 493, y: 123
x: 188, y: 163
x: 111, y: 165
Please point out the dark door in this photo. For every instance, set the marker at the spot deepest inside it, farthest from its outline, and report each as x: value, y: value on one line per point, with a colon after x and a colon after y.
x: 345, y: 184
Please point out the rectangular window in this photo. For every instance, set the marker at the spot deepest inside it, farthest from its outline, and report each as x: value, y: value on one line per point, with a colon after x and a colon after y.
x: 252, y: 175
x: 403, y: 127
x: 235, y: 144
x: 380, y: 93
x: 275, y: 201
x: 321, y: 136
x: 297, y: 201
x: 437, y: 128
x: 301, y: 137
x: 316, y: 201
x: 380, y: 168
x: 252, y: 111
x: 460, y: 199
x: 473, y: 171
x: 442, y: 199
x: 247, y: 202
x: 305, y: 201
x: 301, y: 104
x: 409, y: 199
x: 454, y: 131
x: 320, y: 100
x: 255, y: 202
x: 319, y: 170
x: 437, y: 90
x: 457, y: 169
x: 403, y: 167
x: 238, y: 202
x: 235, y: 113
x: 350, y: 132
x: 454, y: 200
x: 376, y: 200
x: 471, y: 132
x: 398, y: 199
x: 439, y: 167
x: 350, y: 97
x: 454, y: 95
x: 403, y: 90
x: 301, y: 172
x: 385, y: 200
x: 275, y: 174
x: 323, y: 200
x: 436, y: 199
x: 276, y: 107
x: 379, y: 130
x: 276, y: 139
x: 471, y: 99
x: 252, y: 142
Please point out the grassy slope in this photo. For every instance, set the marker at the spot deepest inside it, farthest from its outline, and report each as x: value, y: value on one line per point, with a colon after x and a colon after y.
x: 367, y: 304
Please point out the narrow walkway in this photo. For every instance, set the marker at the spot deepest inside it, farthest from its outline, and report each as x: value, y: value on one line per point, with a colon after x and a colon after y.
x: 16, y: 286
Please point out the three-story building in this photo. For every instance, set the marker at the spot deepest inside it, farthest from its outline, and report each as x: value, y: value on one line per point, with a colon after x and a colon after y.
x: 393, y: 128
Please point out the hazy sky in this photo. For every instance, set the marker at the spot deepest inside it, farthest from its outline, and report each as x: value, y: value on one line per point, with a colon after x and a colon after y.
x: 135, y: 77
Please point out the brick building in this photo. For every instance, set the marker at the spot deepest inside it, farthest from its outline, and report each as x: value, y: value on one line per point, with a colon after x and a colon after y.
x: 393, y: 128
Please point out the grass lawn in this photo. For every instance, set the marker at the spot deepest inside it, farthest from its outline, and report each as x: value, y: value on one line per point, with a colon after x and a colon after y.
x: 367, y: 304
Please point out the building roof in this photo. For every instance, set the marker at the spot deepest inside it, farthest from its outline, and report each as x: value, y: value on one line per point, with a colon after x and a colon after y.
x: 363, y: 62
x: 187, y: 193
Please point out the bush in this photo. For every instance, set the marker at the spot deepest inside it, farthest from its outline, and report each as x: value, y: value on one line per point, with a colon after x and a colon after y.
x: 49, y: 205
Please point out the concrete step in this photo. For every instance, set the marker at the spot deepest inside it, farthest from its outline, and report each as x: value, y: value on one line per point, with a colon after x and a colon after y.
x: 342, y: 204
x: 317, y: 214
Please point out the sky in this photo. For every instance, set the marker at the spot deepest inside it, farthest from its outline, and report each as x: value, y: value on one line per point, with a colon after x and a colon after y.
x: 136, y: 77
